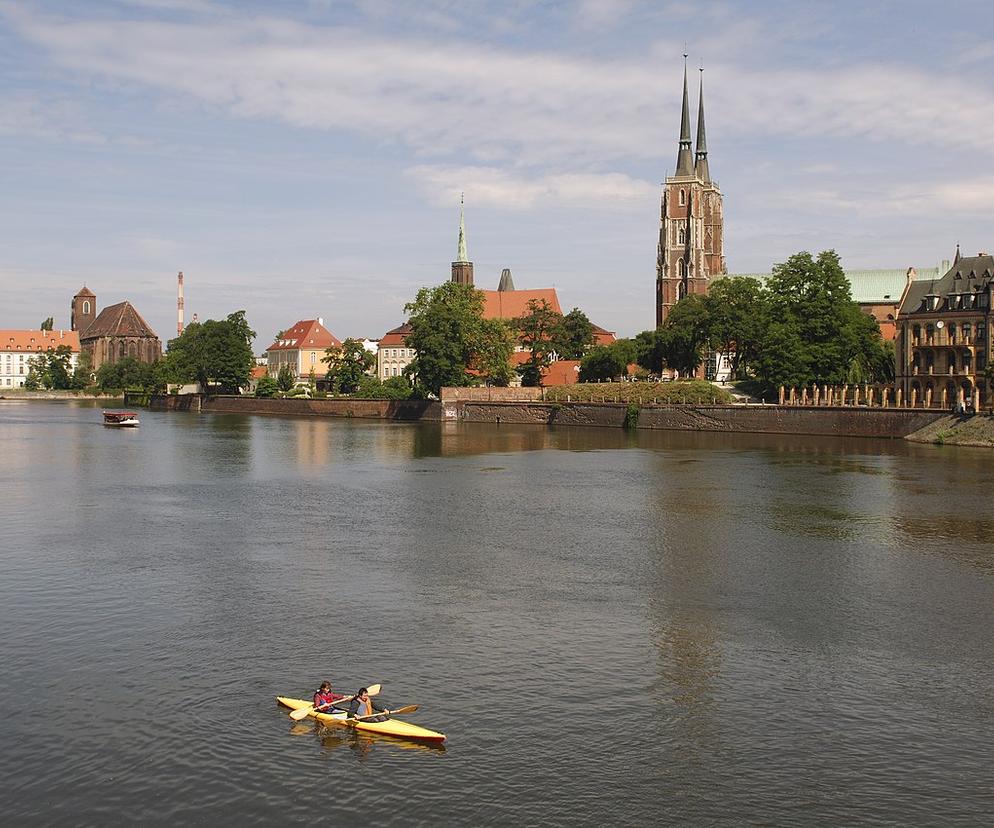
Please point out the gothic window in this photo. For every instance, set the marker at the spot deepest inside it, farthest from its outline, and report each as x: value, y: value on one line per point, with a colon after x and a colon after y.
x: 681, y: 291
x: 681, y: 235
x: 131, y: 349
x: 121, y: 351
x: 86, y: 306
x: 681, y: 268
x: 683, y: 198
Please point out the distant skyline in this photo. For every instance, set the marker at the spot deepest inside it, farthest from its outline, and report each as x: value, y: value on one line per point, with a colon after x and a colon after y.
x: 301, y: 160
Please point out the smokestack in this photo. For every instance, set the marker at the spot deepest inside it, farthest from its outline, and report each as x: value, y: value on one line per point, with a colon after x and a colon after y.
x: 179, y: 304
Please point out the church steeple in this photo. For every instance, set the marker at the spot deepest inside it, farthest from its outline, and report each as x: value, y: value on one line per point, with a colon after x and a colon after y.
x: 701, y: 165
x: 685, y: 158
x: 462, y: 267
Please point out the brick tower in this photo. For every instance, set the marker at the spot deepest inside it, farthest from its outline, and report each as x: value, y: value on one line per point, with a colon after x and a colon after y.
x: 462, y: 268
x: 690, y: 251
x: 83, y: 309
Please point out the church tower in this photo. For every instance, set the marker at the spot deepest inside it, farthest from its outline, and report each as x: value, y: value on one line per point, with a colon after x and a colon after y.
x: 462, y: 268
x: 83, y: 309
x: 690, y: 251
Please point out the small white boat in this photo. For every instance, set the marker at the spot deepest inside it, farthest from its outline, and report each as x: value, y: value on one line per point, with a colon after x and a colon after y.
x: 121, y: 419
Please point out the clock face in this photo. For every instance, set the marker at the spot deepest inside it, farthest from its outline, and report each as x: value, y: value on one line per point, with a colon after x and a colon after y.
x: 940, y: 324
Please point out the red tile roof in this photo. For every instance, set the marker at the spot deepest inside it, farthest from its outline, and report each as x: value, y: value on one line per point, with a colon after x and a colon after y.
x: 85, y: 291
x: 23, y: 341
x: 396, y: 338
x: 258, y: 371
x: 561, y: 372
x: 602, y: 336
x: 307, y: 333
x: 510, y: 304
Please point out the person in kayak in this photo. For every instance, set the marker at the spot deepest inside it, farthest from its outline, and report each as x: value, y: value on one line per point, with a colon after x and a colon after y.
x: 324, y: 698
x: 362, y: 705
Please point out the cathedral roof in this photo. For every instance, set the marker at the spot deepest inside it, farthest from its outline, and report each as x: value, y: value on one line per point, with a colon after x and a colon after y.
x: 85, y: 291
x: 118, y: 320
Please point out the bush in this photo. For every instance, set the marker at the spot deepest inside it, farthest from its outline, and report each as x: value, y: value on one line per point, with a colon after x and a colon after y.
x: 266, y: 387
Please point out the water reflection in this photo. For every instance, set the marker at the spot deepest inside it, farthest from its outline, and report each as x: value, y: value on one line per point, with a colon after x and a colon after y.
x: 333, y: 738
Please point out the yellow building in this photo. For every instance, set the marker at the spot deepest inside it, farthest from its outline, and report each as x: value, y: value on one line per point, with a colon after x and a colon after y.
x: 302, y: 347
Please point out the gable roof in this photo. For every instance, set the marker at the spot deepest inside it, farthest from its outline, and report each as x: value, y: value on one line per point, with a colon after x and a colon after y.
x: 970, y: 275
x: 118, y: 320
x: 510, y: 304
x: 396, y: 337
x: 34, y: 341
x: 85, y: 291
x: 306, y: 334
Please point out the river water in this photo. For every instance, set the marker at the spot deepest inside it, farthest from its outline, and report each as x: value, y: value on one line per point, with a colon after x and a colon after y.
x: 660, y: 628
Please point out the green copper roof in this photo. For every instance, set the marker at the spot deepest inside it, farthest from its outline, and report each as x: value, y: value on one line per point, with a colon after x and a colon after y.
x: 870, y: 286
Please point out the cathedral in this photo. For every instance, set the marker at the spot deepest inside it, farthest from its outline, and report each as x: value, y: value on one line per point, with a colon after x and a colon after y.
x: 690, y: 249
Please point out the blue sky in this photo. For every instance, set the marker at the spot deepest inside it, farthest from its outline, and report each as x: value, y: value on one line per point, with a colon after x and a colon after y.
x: 301, y: 159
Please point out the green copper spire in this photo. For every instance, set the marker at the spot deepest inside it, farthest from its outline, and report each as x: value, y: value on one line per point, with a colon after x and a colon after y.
x: 462, y: 257
x: 685, y: 158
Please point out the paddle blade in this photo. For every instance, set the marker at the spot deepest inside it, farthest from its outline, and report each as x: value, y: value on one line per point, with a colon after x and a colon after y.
x: 374, y: 689
x: 411, y: 708
x: 301, y: 712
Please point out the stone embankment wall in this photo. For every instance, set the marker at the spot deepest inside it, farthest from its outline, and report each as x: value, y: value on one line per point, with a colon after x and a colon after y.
x: 958, y: 430
x: 769, y: 419
x: 299, y: 406
x: 839, y: 421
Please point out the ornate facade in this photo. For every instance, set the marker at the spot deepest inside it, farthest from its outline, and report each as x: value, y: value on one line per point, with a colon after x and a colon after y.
x: 118, y: 331
x: 691, y: 234
x: 944, y: 336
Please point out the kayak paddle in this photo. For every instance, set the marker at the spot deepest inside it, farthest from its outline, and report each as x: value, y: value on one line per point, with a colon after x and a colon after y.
x: 411, y: 708
x: 304, y: 712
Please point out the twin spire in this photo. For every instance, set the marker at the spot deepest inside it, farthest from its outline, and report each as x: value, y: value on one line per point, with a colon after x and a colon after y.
x: 686, y: 162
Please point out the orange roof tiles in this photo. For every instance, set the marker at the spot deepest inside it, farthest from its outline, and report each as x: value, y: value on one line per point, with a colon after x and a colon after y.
x: 561, y: 372
x: 307, y: 333
x: 396, y: 338
x: 510, y: 304
x: 24, y: 341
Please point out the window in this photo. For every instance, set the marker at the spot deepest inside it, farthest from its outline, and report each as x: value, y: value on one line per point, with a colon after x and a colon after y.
x: 681, y: 235
x: 681, y: 267
x: 86, y: 306
x: 683, y: 198
x: 314, y: 357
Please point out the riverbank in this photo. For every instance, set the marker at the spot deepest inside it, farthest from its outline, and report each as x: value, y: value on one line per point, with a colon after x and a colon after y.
x: 836, y: 421
x: 958, y: 430
x: 20, y: 394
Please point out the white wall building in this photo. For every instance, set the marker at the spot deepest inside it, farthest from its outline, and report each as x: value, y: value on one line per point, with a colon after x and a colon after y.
x: 17, y: 347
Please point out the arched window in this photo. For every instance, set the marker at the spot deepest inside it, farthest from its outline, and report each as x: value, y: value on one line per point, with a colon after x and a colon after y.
x: 681, y: 235
x: 86, y: 306
x: 121, y: 351
x: 683, y: 198
x: 681, y: 268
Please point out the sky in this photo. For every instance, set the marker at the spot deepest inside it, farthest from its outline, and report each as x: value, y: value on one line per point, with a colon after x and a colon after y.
x: 306, y: 159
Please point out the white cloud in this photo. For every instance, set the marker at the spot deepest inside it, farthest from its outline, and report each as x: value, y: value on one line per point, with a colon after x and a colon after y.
x: 497, y: 187
x: 442, y: 98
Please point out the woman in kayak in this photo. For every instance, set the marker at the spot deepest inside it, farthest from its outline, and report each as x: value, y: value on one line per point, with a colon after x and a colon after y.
x: 324, y: 698
x: 362, y: 705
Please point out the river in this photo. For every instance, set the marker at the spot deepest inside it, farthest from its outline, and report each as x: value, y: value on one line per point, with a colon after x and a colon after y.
x: 611, y: 628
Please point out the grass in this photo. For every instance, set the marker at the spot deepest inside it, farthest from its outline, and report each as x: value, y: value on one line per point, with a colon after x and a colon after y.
x: 691, y: 392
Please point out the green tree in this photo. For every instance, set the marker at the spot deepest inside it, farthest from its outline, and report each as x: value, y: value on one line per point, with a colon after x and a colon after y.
x: 494, y: 348
x: 573, y: 336
x: 446, y: 323
x: 603, y: 362
x: 50, y: 370
x: 685, y: 333
x: 266, y: 387
x: 393, y: 388
x: 782, y: 356
x: 286, y: 379
x: 216, y: 354
x: 82, y: 375
x: 650, y: 350
x: 347, y: 364
x: 537, y: 331
x: 737, y: 315
x: 47, y: 325
x: 129, y: 373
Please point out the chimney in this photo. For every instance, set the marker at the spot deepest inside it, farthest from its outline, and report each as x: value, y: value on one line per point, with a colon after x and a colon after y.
x: 321, y: 321
x: 179, y: 304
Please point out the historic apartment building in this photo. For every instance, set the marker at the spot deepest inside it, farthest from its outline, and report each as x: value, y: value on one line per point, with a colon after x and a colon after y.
x: 17, y: 347
x: 690, y: 251
x: 302, y: 347
x: 943, y: 335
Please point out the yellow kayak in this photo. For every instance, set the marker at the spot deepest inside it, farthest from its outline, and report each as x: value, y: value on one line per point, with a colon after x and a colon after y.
x: 391, y: 727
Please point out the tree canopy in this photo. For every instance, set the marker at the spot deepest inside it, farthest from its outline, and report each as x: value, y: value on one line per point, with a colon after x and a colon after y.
x: 446, y: 324
x: 347, y: 364
x: 216, y: 354
x: 51, y: 370
x: 573, y: 335
x: 130, y: 373
x: 538, y: 330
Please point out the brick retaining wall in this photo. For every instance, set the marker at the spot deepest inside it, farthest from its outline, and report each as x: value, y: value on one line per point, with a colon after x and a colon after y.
x: 300, y: 406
